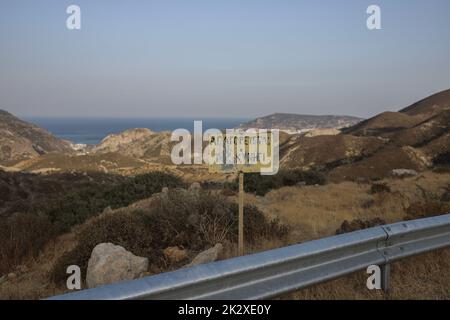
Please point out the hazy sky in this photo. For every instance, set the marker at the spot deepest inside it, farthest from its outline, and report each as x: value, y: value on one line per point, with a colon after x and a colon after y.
x: 210, y: 58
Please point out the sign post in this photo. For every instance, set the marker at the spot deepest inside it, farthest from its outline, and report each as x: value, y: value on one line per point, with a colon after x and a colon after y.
x: 240, y: 152
x: 241, y: 214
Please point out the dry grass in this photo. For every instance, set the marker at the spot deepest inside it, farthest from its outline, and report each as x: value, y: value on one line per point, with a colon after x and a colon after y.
x: 318, y: 211
x: 421, y: 277
x: 312, y: 212
x: 34, y: 283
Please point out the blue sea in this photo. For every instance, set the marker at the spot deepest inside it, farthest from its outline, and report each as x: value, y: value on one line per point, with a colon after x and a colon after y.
x: 93, y: 130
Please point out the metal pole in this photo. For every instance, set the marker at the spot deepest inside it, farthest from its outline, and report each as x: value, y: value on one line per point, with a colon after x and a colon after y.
x: 241, y: 214
x: 385, y: 275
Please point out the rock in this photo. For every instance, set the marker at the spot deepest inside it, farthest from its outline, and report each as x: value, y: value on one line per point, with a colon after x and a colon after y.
x: 12, y: 276
x: 404, y: 173
x: 175, y: 254
x: 195, y: 188
x: 165, y: 194
x: 107, y: 210
x: 110, y: 263
x: 209, y: 255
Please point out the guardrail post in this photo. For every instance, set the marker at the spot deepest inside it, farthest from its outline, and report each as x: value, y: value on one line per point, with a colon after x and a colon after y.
x: 385, y: 276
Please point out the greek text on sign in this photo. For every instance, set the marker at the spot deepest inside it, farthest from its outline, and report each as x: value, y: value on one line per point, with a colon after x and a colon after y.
x: 245, y: 151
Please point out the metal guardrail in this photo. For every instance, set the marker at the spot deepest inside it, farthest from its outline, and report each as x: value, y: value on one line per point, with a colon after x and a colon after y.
x: 275, y: 272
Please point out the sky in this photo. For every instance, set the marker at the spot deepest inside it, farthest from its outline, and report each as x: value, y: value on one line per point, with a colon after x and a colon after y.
x: 220, y: 58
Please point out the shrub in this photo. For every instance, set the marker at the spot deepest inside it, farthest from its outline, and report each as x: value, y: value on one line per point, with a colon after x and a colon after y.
x: 427, y: 208
x: 260, y: 185
x: 76, y: 207
x: 52, y: 210
x: 293, y: 177
x: 22, y: 235
x: 358, y: 224
x: 180, y: 218
x: 446, y: 196
x: 442, y: 159
x: 379, y: 188
x: 124, y: 229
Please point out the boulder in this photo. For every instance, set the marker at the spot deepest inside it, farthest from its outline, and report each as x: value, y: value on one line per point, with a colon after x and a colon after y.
x: 110, y: 263
x: 194, y: 189
x: 165, y: 194
x: 175, y: 254
x: 207, y: 256
x: 12, y: 276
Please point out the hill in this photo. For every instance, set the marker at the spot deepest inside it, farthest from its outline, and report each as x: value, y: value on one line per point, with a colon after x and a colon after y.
x: 137, y: 143
x: 300, y: 123
x: 416, y: 138
x: 21, y: 140
x: 430, y: 105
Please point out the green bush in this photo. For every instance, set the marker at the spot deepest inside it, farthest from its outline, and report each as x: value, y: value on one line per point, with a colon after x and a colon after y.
x: 48, y: 209
x: 124, y: 229
x: 260, y: 185
x: 76, y: 207
x: 181, y: 218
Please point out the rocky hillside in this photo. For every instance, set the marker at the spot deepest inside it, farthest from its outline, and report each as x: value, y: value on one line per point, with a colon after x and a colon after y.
x: 137, y: 143
x: 21, y: 140
x: 416, y: 115
x: 415, y: 138
x: 294, y: 123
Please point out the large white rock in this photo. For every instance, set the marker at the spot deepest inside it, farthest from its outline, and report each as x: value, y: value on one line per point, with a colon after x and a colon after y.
x: 110, y: 263
x: 209, y: 255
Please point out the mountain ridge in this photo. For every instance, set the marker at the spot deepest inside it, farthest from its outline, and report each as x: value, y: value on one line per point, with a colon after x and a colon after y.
x: 297, y: 123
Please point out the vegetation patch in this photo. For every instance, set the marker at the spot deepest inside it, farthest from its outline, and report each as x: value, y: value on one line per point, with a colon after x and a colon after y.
x: 427, y: 208
x: 442, y: 159
x: 56, y: 208
x: 379, y: 188
x: 195, y: 221
x: 357, y: 224
x: 260, y: 185
x: 76, y: 207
